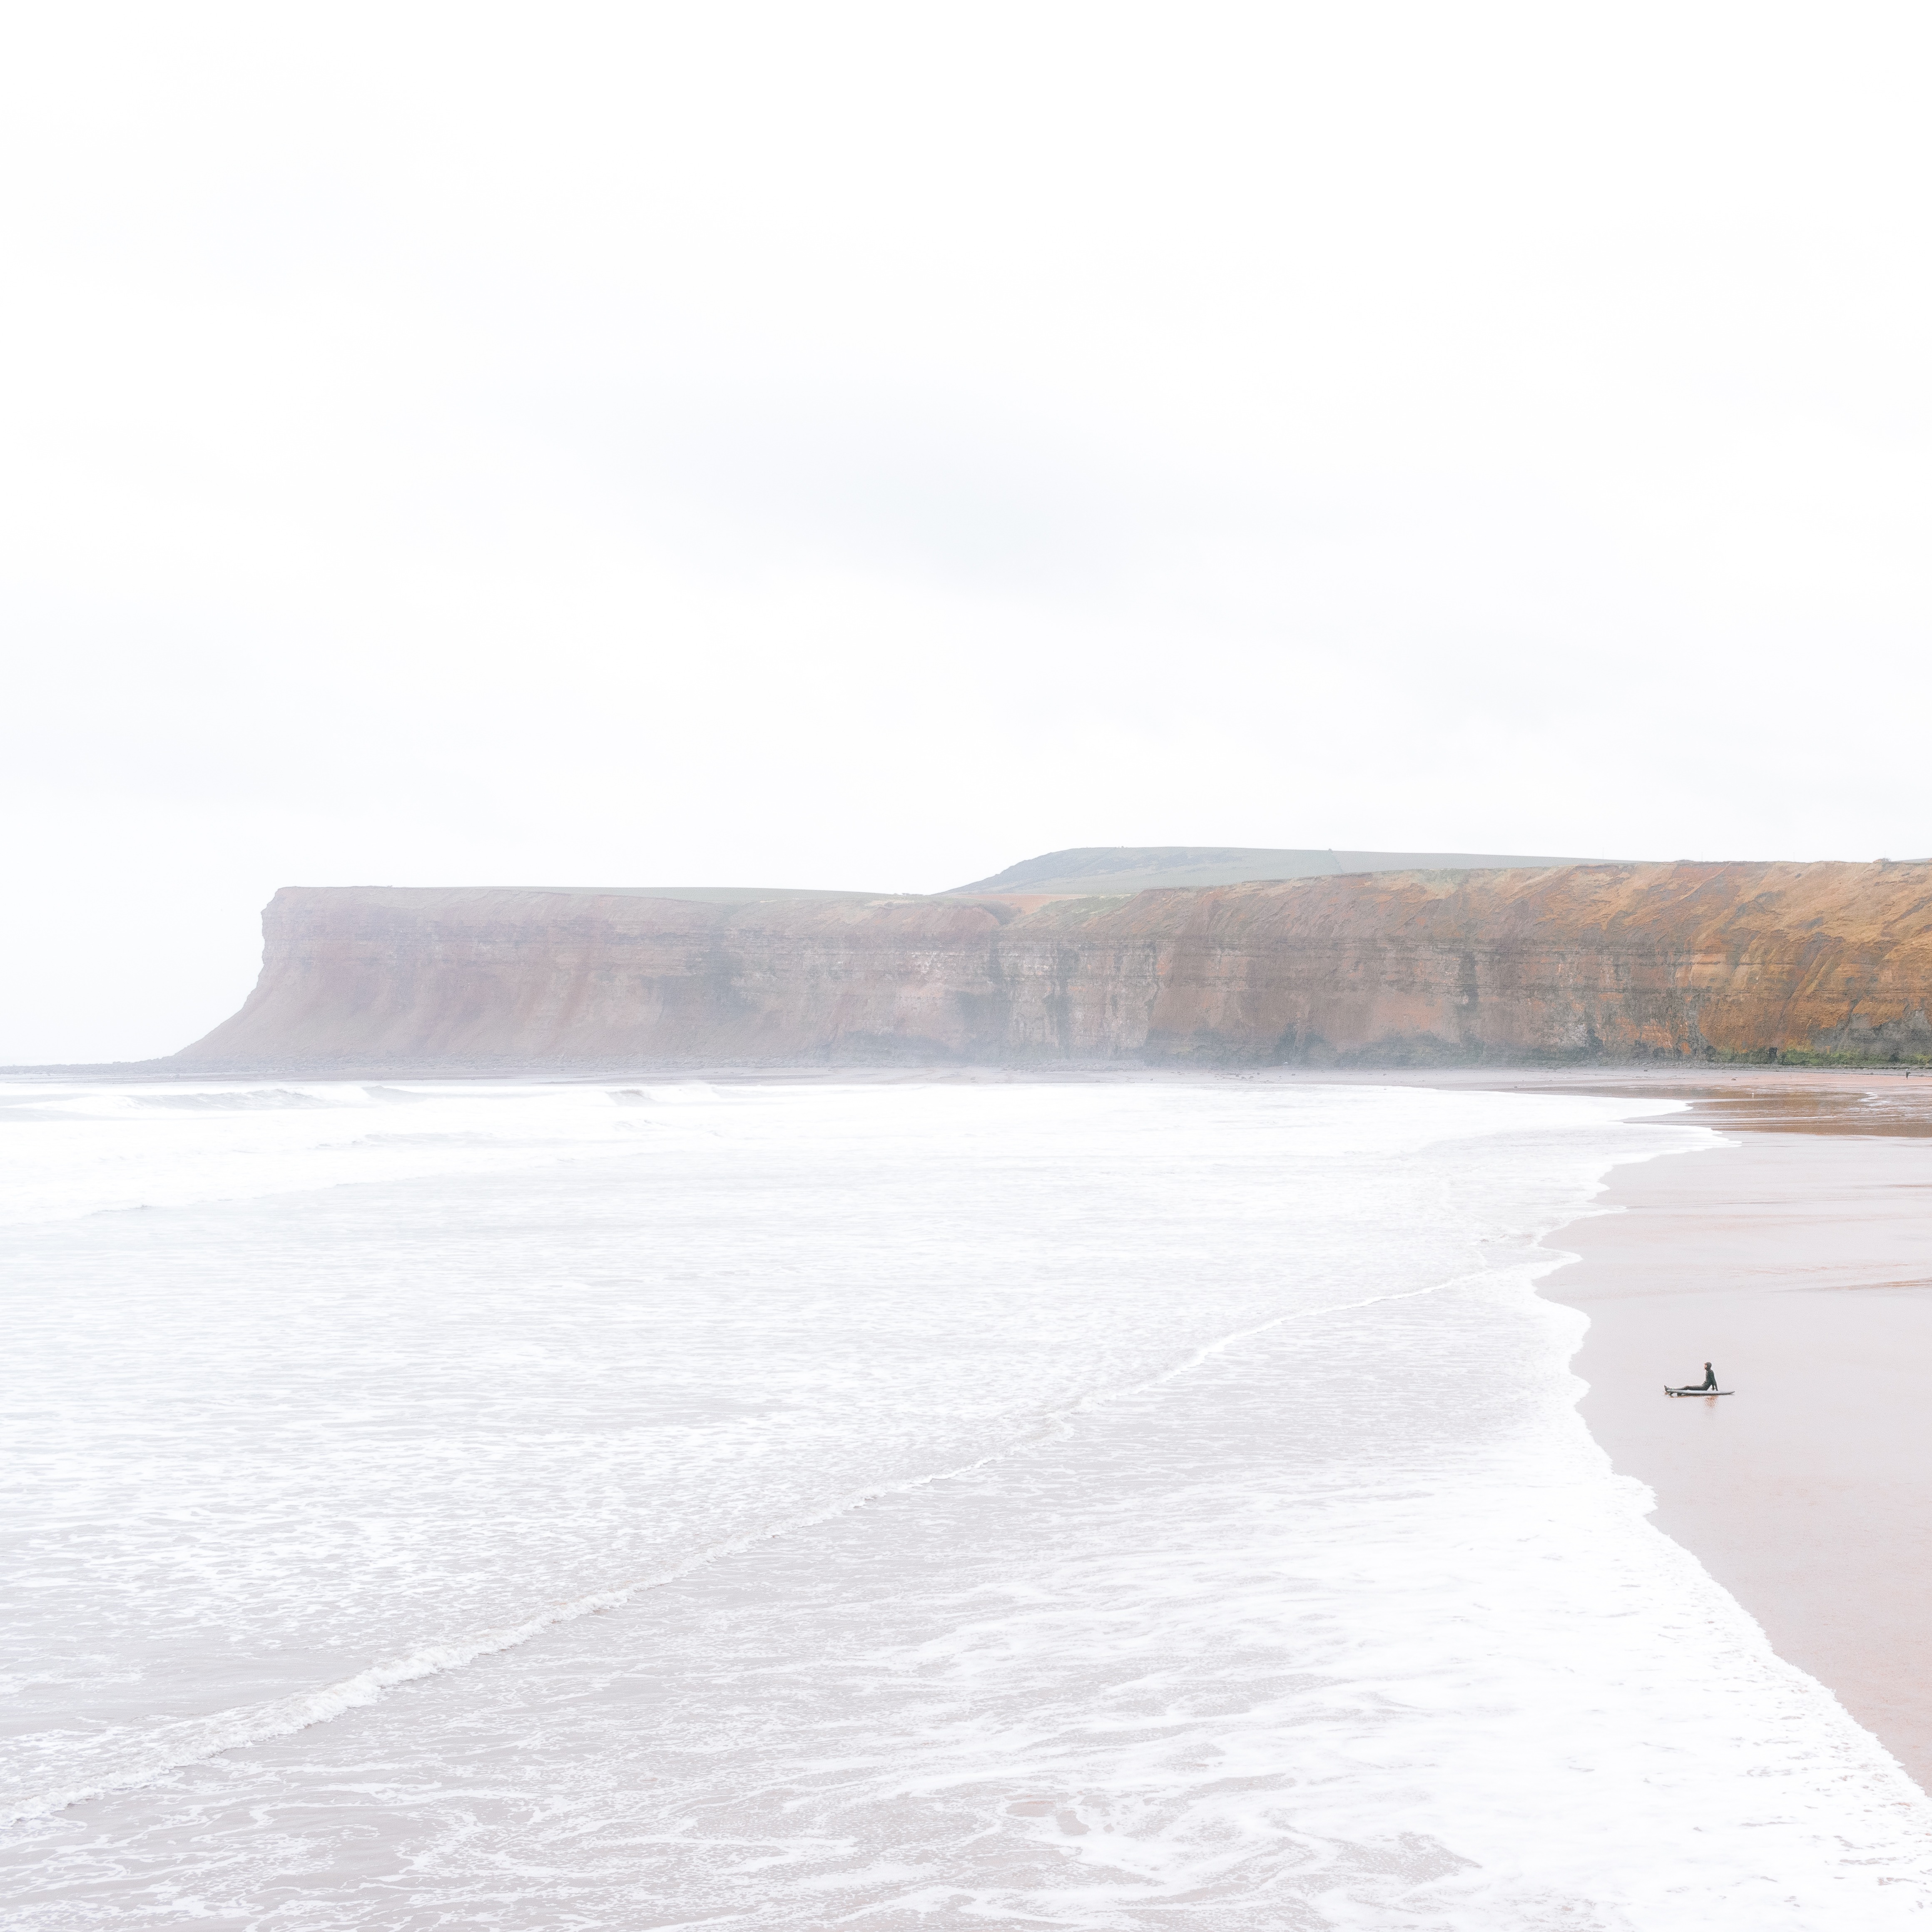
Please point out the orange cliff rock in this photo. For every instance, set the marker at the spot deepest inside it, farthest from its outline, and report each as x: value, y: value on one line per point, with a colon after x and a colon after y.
x: 1563, y: 963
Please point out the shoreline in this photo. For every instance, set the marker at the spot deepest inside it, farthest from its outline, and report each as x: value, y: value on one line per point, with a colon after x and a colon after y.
x: 1798, y: 1257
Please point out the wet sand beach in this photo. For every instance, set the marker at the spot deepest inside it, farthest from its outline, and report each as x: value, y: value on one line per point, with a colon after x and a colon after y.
x: 1798, y: 1259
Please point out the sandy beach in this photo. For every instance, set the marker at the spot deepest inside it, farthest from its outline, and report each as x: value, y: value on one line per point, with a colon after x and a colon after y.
x: 1797, y: 1259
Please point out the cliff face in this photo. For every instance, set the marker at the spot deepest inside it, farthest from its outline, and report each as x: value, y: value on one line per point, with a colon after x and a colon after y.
x: 1575, y: 962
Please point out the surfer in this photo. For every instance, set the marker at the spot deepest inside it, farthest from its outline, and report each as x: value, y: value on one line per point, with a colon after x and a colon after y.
x: 1710, y: 1382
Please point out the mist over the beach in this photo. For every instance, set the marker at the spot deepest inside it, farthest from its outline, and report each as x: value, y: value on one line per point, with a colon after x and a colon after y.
x: 965, y: 967
x: 860, y: 448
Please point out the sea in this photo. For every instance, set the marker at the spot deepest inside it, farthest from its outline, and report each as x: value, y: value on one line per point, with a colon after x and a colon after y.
x: 871, y: 1502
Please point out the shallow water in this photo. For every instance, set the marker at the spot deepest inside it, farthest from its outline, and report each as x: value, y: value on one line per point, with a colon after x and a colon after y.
x: 1108, y: 1504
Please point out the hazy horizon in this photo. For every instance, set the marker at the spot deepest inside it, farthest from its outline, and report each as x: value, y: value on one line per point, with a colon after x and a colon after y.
x: 863, y: 448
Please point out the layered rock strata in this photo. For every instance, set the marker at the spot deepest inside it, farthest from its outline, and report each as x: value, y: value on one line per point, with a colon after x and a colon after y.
x: 1569, y: 963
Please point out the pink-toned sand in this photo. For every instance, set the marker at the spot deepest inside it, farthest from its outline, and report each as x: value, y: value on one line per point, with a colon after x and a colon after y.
x: 1799, y: 1260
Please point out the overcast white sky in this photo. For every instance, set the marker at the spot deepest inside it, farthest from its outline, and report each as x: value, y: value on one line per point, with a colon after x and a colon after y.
x: 863, y: 446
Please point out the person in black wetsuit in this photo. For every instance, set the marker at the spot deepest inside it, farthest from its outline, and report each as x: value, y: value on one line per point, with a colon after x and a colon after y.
x: 1710, y: 1382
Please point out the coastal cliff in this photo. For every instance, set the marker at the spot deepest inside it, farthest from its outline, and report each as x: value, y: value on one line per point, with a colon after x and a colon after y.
x: 1569, y: 963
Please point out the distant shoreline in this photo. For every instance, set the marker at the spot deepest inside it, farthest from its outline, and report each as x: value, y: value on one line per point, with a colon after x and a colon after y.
x: 1572, y: 1076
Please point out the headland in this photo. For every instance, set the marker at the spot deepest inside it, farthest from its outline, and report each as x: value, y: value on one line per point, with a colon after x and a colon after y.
x: 1555, y: 963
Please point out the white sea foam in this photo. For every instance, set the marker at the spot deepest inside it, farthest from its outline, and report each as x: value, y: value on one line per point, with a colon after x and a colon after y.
x: 1103, y: 1506
x: 81, y: 1150
x: 126, y: 1763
